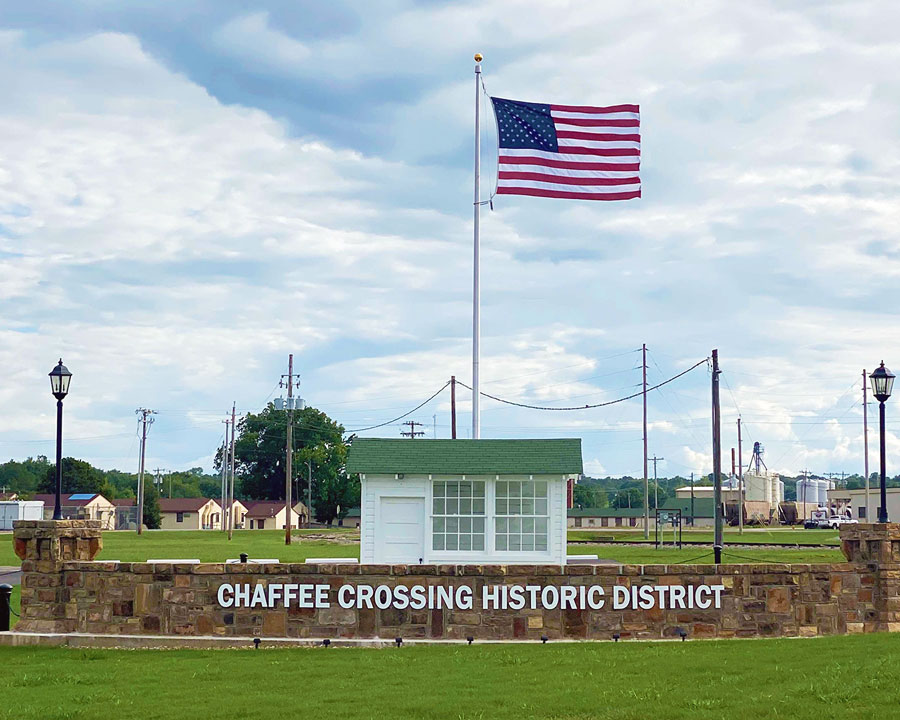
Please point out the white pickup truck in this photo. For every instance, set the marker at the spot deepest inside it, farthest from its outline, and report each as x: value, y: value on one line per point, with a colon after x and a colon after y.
x: 835, y: 521
x: 819, y: 519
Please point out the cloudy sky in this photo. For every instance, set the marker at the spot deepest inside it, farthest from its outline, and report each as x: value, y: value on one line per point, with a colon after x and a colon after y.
x: 189, y: 191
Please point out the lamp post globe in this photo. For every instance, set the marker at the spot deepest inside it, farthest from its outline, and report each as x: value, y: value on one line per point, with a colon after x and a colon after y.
x: 60, y: 377
x: 882, y: 383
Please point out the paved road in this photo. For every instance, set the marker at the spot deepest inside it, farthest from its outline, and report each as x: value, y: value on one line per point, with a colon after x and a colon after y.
x: 10, y: 575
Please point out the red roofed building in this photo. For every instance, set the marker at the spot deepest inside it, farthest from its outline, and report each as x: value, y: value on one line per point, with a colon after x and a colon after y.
x: 268, y: 515
x: 189, y: 514
x: 81, y: 506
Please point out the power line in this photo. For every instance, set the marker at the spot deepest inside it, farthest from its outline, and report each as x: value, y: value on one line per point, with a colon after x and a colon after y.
x: 390, y: 422
x: 588, y: 407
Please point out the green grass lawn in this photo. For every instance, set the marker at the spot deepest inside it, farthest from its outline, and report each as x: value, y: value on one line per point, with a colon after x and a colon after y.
x: 212, y: 546
x: 640, y: 555
x: 839, y: 677
x: 209, y: 545
x: 750, y: 536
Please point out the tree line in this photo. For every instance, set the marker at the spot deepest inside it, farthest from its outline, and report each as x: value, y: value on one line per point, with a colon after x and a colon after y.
x: 320, y: 454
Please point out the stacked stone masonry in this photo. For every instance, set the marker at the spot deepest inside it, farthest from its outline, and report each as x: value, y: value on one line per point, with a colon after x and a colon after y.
x: 66, y: 591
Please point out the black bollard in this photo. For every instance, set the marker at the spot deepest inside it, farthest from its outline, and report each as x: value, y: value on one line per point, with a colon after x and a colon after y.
x: 5, y: 608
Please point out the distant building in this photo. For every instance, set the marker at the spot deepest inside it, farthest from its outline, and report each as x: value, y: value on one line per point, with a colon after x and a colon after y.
x: 81, y: 506
x: 352, y: 518
x: 697, y: 513
x: 8, y: 496
x: 302, y: 511
x: 268, y: 515
x: 12, y: 510
x: 189, y: 514
x: 858, y: 503
x: 606, y: 518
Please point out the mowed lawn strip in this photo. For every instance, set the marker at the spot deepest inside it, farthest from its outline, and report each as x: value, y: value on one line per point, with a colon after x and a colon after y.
x: 648, y: 555
x: 837, y: 677
x: 750, y: 536
x: 214, y: 546
x: 211, y: 545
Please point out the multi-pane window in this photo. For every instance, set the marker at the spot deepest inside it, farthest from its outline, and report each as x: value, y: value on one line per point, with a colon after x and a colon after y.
x: 458, y: 515
x: 522, y: 515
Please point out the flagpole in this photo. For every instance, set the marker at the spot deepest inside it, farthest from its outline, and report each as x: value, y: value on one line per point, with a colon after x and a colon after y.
x: 476, y: 285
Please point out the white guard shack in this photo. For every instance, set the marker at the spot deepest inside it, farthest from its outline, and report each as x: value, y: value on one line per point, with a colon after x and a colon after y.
x: 464, y: 501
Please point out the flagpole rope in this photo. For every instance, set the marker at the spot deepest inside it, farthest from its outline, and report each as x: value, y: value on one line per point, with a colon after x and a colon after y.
x: 490, y: 200
x: 588, y: 407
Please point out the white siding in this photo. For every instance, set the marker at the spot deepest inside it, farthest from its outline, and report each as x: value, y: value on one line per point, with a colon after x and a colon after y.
x: 374, y: 487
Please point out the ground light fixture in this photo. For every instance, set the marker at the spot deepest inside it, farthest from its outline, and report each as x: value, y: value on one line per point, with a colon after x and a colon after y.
x: 256, y: 642
x: 882, y: 383
x: 682, y: 634
x: 398, y: 641
x: 326, y: 642
x: 544, y: 639
x: 616, y: 637
x: 60, y: 377
x: 470, y: 639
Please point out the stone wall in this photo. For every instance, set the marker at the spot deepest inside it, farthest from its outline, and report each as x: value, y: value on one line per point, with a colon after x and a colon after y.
x: 77, y: 595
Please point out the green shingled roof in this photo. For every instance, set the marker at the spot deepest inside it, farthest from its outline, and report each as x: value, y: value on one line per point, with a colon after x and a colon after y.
x: 459, y: 457
x: 703, y: 507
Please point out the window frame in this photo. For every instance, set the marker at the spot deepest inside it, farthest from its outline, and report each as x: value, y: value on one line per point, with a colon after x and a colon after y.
x: 554, y: 527
x: 431, y: 517
x: 521, y: 517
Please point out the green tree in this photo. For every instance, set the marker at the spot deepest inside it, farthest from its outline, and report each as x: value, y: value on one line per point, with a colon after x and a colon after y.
x: 78, y: 476
x: 152, y: 513
x: 24, y: 476
x: 260, y: 458
x: 630, y: 497
x: 589, y: 496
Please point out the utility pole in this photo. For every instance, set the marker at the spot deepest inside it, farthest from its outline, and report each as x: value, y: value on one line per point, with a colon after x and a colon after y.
x: 740, y: 483
x: 692, y: 501
x: 225, y: 446
x: 309, y: 493
x: 453, y: 407
x: 231, y: 484
x: 717, y: 459
x: 412, y: 433
x: 646, y: 483
x: 866, y: 444
x: 146, y: 419
x: 655, y: 483
x: 289, y: 448
x: 434, y: 426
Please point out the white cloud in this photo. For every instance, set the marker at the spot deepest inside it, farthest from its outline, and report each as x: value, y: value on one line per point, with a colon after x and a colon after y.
x: 175, y: 248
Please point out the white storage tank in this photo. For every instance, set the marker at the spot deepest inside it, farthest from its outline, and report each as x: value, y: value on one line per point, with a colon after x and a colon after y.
x: 807, y: 491
x: 11, y: 510
x: 755, y: 488
x: 823, y: 493
x: 780, y: 491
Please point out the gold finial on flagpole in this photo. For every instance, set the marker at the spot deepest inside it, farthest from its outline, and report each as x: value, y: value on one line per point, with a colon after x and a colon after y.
x: 478, y: 57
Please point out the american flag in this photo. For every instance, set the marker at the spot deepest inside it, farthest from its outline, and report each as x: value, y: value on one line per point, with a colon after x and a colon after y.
x: 568, y: 151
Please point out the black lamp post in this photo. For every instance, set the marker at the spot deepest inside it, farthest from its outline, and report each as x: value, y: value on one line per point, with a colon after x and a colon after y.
x: 882, y: 384
x: 59, y: 386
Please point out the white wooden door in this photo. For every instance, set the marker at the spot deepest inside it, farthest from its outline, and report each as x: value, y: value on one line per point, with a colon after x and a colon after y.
x: 400, y: 531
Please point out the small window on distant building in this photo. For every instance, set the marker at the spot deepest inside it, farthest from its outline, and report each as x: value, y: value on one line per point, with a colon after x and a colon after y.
x: 861, y: 513
x: 179, y: 517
